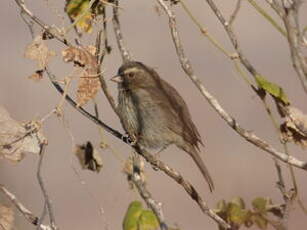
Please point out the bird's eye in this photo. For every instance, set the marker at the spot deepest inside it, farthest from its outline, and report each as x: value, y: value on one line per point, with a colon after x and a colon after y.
x: 131, y: 75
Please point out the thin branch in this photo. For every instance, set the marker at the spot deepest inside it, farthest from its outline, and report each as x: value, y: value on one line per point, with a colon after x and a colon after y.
x: 291, y: 21
x: 42, y: 217
x: 268, y: 17
x: 235, y: 12
x: 39, y: 22
x: 29, y: 216
x: 104, y: 87
x: 155, y: 206
x: 119, y: 36
x: 185, y: 63
x: 43, y: 188
x: 204, y: 30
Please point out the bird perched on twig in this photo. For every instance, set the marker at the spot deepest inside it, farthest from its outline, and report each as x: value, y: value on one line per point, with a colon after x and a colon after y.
x: 154, y: 114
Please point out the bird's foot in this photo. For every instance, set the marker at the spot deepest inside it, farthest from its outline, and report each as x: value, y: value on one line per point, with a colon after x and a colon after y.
x: 130, y: 139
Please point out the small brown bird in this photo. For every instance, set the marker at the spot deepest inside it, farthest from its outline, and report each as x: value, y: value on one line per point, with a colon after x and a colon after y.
x: 154, y: 113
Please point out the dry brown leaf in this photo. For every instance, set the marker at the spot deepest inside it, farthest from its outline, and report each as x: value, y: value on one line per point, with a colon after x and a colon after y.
x: 89, y: 157
x: 38, y: 51
x: 295, y: 126
x: 37, y: 76
x: 6, y: 217
x: 16, y: 138
x: 89, y: 83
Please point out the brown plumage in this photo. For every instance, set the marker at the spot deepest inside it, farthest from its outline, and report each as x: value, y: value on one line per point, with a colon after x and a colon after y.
x: 153, y: 111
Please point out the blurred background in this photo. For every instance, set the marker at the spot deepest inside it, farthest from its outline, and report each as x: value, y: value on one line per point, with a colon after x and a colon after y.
x: 86, y: 200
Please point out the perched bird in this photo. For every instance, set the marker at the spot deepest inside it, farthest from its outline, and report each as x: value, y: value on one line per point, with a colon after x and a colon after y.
x: 154, y: 113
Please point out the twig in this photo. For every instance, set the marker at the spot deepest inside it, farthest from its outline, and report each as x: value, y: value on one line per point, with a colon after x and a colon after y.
x: 105, y: 31
x: 248, y: 135
x: 104, y: 87
x: 204, y: 30
x: 24, y: 211
x: 235, y: 12
x: 43, y: 188
x: 42, y: 217
x: 291, y: 21
x: 267, y: 17
x: 39, y: 22
x: 119, y: 37
x: 155, y: 206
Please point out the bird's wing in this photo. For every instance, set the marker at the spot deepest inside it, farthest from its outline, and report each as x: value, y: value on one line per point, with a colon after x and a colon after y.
x: 172, y: 103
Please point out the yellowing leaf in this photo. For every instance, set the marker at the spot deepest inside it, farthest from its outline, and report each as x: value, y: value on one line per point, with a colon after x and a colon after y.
x: 273, y: 89
x: 79, y: 10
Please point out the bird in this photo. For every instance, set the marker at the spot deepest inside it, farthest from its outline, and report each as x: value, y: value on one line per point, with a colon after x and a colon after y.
x: 154, y: 114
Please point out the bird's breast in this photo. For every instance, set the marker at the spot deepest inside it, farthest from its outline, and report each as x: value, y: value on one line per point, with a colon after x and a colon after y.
x: 142, y: 117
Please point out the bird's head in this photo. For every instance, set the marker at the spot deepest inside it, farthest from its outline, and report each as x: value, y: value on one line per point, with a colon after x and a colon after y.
x: 132, y: 75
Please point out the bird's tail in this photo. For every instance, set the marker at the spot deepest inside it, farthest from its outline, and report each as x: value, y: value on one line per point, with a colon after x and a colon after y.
x: 202, y: 167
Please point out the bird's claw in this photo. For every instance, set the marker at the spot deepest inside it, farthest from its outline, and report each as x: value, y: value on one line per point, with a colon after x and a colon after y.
x: 130, y: 139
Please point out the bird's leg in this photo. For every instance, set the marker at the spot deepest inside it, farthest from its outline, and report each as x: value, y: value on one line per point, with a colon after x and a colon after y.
x: 159, y: 152
x: 157, y: 155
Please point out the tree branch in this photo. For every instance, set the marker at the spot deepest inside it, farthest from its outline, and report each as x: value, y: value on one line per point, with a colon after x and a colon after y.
x: 119, y: 36
x: 24, y: 211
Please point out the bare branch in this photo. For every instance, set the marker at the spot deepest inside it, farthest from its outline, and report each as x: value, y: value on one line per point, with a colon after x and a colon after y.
x: 39, y: 22
x: 43, y: 188
x: 291, y: 21
x: 235, y: 12
x: 119, y: 36
x: 185, y: 63
x: 155, y: 206
x: 104, y: 87
x: 24, y: 211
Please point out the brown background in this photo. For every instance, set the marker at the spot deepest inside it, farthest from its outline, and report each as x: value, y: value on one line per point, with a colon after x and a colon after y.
x: 238, y: 168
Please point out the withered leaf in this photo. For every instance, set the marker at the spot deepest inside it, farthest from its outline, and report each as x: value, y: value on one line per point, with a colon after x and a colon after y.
x: 16, y: 138
x: 37, y: 76
x: 38, y: 51
x: 295, y: 126
x: 6, y: 217
x: 89, y: 82
x: 89, y: 157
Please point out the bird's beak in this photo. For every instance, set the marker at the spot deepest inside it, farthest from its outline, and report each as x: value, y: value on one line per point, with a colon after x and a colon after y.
x: 117, y: 79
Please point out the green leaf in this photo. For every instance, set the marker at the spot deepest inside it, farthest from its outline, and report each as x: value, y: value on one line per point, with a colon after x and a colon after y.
x: 260, y: 204
x: 148, y: 221
x: 221, y: 206
x: 261, y: 222
x: 132, y: 216
x: 239, y: 201
x: 273, y: 89
x: 236, y: 214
